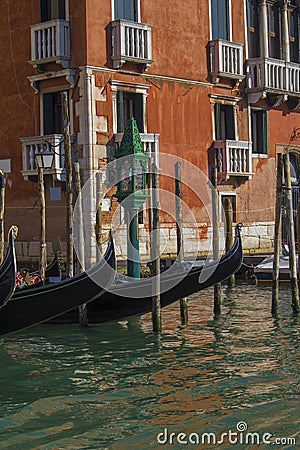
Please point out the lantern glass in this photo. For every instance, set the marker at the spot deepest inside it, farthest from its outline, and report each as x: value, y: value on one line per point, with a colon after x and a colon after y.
x: 44, y: 160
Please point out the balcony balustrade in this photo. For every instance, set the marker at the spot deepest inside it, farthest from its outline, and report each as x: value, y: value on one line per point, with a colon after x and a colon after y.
x: 273, y: 75
x: 233, y: 158
x: 32, y: 145
x: 226, y: 60
x: 50, y: 42
x: 131, y: 42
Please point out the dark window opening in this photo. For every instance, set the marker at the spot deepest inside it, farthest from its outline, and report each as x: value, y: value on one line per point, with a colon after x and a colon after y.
x: 129, y: 105
x: 126, y: 9
x: 52, y: 9
x: 224, y: 122
x: 220, y: 19
x: 274, y: 22
x: 232, y: 199
x: 259, y: 131
x: 141, y: 217
x: 294, y: 35
x: 52, y: 109
x: 253, y: 29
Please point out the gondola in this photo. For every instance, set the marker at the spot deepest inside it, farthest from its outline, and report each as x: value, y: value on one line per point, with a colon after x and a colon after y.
x: 125, y: 299
x: 55, y: 267
x: 8, y: 269
x: 35, y: 304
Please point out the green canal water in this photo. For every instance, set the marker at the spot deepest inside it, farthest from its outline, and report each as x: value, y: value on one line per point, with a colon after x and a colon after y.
x: 226, y: 383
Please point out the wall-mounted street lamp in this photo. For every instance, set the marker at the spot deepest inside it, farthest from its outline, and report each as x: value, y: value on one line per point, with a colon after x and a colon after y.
x: 44, y: 160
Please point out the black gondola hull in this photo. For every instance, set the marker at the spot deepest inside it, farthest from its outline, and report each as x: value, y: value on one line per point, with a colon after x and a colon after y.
x: 8, y: 269
x: 117, y: 304
x: 33, y: 305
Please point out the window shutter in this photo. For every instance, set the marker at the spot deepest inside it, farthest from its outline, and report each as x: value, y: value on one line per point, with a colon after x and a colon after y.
x: 230, y: 125
x: 217, y: 122
x: 263, y: 138
x: 120, y: 113
x: 48, y: 113
x: 138, y: 112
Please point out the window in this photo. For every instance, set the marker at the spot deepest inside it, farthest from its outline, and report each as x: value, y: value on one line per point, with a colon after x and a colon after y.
x: 253, y: 29
x: 52, y: 113
x: 52, y: 9
x: 259, y: 131
x: 232, y: 198
x: 294, y: 24
x: 274, y: 24
x: 129, y: 104
x: 126, y: 9
x: 224, y: 122
x: 220, y: 19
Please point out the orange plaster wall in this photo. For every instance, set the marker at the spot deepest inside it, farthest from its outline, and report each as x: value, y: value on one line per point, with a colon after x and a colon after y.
x: 18, y: 105
x: 281, y: 128
x: 178, y: 50
x: 78, y: 28
x: 20, y: 115
x: 98, y: 17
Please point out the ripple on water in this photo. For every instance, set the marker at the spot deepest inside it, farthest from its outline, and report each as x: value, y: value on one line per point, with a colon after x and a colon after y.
x: 118, y: 385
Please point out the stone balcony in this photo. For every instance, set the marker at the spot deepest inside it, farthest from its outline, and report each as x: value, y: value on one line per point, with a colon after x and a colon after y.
x: 226, y: 60
x: 273, y: 78
x: 233, y: 158
x: 32, y: 145
x: 50, y: 42
x: 131, y: 42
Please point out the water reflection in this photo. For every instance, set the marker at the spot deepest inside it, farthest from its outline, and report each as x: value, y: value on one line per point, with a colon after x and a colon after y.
x: 117, y: 385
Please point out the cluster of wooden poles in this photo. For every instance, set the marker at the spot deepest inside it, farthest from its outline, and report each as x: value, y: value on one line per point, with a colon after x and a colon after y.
x: 283, y: 184
x: 229, y: 238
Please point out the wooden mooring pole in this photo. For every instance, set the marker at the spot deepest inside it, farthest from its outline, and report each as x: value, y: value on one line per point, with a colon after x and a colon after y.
x: 277, y: 235
x: 216, y: 250
x: 2, y: 205
x: 41, y: 188
x: 69, y: 188
x: 99, y: 210
x: 229, y: 233
x: 82, y: 309
x: 179, y: 236
x: 298, y: 235
x: 291, y: 234
x: 155, y: 244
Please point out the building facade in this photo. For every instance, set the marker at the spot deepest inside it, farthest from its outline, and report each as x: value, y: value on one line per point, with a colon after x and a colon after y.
x: 215, y: 82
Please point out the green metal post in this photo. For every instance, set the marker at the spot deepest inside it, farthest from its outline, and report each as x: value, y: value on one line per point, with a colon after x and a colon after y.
x: 133, y: 250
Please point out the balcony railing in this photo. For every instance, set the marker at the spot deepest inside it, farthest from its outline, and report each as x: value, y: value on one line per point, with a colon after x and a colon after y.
x: 32, y: 145
x: 234, y: 158
x: 131, y: 42
x: 226, y: 60
x: 273, y: 75
x: 50, y: 41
